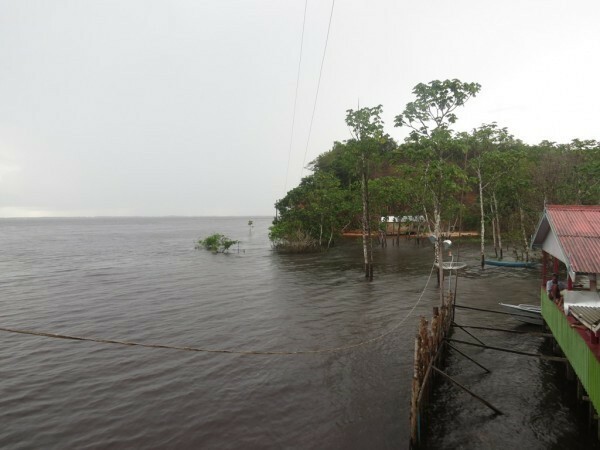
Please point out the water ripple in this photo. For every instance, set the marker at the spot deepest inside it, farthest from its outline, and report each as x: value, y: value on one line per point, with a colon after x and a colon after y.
x: 141, y: 280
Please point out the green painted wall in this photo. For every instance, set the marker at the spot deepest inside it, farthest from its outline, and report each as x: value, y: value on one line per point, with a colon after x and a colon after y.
x: 584, y: 362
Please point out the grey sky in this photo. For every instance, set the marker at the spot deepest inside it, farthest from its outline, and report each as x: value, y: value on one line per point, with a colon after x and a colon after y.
x: 139, y: 107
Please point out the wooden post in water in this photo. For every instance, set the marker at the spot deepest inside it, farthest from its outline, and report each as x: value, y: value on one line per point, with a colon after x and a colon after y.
x: 570, y: 373
x: 429, y: 343
x: 414, y: 412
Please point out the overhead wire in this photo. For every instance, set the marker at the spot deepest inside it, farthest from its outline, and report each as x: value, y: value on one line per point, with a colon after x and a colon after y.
x: 252, y: 352
x: 318, y: 86
x: 287, y: 171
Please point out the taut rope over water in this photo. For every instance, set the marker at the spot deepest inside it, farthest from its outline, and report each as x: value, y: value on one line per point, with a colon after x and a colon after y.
x: 235, y: 352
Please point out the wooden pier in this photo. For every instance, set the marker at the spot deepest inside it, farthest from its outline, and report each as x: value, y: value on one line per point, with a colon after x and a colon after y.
x: 433, y: 339
x: 582, y: 352
x: 568, y: 236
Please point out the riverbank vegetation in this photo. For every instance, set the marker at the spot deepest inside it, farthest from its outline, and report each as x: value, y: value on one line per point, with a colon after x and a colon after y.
x: 485, y: 179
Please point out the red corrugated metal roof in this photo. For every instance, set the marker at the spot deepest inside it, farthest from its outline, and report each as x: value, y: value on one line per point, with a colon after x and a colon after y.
x: 578, y: 231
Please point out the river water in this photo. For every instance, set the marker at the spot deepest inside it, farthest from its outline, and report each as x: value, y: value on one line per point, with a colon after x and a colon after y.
x: 140, y: 279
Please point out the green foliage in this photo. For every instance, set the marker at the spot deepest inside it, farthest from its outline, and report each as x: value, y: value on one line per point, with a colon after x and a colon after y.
x: 433, y: 109
x: 390, y: 194
x: 369, y: 142
x: 311, y: 215
x: 435, y: 169
x: 434, y: 149
x: 340, y: 161
x: 216, y: 243
x: 290, y: 237
x: 365, y: 122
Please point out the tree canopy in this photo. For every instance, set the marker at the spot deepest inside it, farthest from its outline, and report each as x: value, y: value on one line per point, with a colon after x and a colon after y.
x: 486, y: 176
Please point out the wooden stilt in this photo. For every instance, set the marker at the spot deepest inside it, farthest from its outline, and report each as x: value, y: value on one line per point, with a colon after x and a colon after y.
x: 531, y: 333
x: 536, y: 355
x: 570, y: 374
x: 490, y: 311
x: 415, y: 390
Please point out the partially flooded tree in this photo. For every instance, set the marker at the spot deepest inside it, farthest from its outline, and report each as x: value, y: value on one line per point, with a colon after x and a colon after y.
x: 429, y: 117
x: 366, y: 127
x: 489, y: 162
x: 311, y: 215
x: 216, y: 243
x: 368, y: 176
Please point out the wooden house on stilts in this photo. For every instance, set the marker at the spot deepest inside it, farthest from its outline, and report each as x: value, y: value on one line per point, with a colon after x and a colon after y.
x: 569, y: 237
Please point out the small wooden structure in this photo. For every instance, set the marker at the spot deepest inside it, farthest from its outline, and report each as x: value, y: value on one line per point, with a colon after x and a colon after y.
x: 397, y: 225
x: 429, y: 343
x: 569, y: 237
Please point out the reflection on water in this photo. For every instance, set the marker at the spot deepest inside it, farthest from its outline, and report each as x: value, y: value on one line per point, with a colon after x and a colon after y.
x: 140, y: 279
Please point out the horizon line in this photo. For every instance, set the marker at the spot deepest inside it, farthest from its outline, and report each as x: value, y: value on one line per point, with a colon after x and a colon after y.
x: 173, y: 216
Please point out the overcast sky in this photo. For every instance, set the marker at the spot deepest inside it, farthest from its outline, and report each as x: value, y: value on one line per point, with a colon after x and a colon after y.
x: 151, y: 108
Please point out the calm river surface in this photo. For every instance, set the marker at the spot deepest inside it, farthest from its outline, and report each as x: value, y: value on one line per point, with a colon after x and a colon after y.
x: 140, y: 279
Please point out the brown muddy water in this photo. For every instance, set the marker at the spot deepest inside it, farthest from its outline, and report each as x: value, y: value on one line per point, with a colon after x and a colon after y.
x: 140, y: 279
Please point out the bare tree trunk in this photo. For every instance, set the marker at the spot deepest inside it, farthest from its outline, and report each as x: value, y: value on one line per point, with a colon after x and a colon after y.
x: 369, y: 232
x: 367, y: 240
x: 320, y: 233
x: 482, y: 219
x: 427, y: 219
x: 525, y: 241
x: 497, y: 216
x: 494, y: 230
x: 364, y: 229
x: 439, y: 257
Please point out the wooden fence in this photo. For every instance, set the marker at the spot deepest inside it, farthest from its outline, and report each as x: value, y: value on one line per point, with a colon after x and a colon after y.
x: 429, y: 347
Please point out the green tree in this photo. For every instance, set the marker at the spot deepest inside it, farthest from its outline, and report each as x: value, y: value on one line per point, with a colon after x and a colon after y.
x: 504, y: 182
x: 216, y: 243
x: 367, y: 141
x: 515, y: 191
x: 312, y: 214
x: 437, y: 153
x: 486, y: 162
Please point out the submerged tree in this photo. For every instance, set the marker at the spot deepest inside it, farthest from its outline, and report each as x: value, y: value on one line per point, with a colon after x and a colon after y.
x: 216, y: 243
x: 489, y: 158
x: 311, y: 215
x: 436, y: 151
x: 366, y: 127
x: 436, y: 173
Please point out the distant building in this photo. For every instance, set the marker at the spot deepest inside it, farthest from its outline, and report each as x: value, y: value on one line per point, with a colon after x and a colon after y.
x: 403, y: 224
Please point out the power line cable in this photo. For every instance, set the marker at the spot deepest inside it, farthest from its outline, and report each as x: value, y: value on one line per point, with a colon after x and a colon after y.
x: 318, y: 86
x: 287, y: 170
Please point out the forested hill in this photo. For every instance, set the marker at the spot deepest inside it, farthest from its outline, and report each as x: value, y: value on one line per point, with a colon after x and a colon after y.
x: 454, y: 178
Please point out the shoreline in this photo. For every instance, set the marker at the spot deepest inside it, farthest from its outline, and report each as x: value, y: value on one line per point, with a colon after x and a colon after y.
x: 453, y: 234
